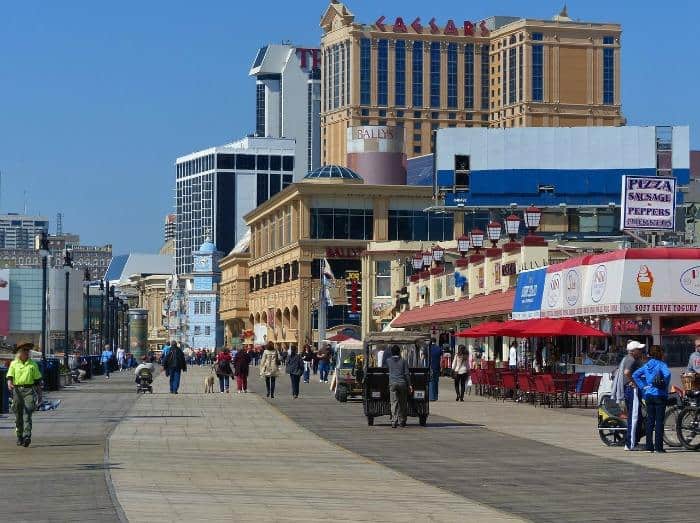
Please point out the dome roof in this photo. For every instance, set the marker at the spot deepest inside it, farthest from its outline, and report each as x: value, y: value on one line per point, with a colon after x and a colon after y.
x: 332, y: 171
x: 207, y: 247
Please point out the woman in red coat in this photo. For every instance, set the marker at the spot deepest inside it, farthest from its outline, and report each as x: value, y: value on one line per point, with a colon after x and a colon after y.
x: 223, y: 369
x: 241, y: 364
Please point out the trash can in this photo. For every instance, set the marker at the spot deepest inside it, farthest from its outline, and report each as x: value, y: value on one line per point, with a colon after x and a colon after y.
x: 4, y: 393
x: 96, y: 366
x: 51, y: 374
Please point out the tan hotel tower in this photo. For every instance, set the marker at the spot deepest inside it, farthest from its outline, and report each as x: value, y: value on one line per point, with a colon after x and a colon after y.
x: 498, y: 72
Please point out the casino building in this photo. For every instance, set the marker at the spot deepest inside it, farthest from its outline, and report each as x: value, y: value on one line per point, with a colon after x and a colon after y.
x: 499, y: 72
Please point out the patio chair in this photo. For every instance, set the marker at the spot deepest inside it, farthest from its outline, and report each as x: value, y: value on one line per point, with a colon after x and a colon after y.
x: 526, y: 385
x: 508, y: 384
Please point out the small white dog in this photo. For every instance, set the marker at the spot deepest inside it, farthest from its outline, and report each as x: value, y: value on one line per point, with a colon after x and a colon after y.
x: 209, y: 384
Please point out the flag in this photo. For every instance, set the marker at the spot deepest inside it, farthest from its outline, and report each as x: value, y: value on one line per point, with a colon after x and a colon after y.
x: 326, y: 278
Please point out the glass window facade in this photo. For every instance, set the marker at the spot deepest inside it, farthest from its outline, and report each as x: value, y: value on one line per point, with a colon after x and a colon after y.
x: 469, y: 76
x: 365, y: 71
x: 608, y: 76
x: 382, y: 281
x: 417, y: 74
x: 420, y: 226
x: 260, y: 109
x: 336, y: 76
x: 400, y: 73
x: 341, y: 224
x: 537, y: 69
x: 435, y: 74
x: 382, y: 72
x: 485, y: 76
x: 512, y: 68
x: 452, y: 75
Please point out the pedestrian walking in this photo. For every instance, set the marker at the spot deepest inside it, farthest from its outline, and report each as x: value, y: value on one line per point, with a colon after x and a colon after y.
x: 624, y: 387
x: 23, y: 382
x: 653, y: 379
x: 106, y: 360
x: 174, y: 366
x: 241, y: 366
x: 399, y: 386
x: 435, y: 354
x: 324, y: 363
x: 460, y: 371
x: 314, y: 366
x: 694, y: 360
x: 513, y: 356
x: 270, y: 368
x: 295, y: 368
x: 308, y: 359
x: 223, y: 370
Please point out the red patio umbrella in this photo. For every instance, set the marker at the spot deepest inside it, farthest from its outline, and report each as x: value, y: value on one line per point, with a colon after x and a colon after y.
x: 560, y: 327
x: 479, y: 331
x: 692, y: 328
x: 340, y: 337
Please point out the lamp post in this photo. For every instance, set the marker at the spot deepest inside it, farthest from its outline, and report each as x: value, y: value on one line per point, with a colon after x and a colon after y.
x: 493, y: 230
x: 427, y: 260
x: 102, y: 316
x: 438, y: 254
x: 67, y: 266
x: 111, y: 306
x: 41, y: 244
x: 88, y: 316
x: 476, y: 237
x: 512, y: 226
x: 463, y: 245
x: 532, y: 217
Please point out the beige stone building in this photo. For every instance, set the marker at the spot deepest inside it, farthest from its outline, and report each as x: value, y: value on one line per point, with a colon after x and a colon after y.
x: 233, y: 292
x: 499, y: 72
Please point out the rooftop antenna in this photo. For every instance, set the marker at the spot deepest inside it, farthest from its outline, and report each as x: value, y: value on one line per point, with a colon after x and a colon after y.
x: 59, y: 224
x: 25, y: 202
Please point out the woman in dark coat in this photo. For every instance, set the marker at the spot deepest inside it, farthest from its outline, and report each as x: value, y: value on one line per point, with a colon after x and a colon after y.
x: 295, y: 368
x: 223, y: 369
x: 241, y: 364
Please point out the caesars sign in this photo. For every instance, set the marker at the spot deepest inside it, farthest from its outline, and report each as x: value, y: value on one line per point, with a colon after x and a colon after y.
x: 648, y: 202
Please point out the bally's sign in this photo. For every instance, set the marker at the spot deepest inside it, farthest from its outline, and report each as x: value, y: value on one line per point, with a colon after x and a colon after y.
x: 374, y: 132
x: 648, y: 203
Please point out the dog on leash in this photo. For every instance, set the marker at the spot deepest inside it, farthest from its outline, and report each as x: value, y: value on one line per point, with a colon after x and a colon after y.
x: 209, y: 384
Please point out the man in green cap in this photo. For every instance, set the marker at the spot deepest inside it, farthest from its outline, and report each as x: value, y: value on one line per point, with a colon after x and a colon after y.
x: 23, y: 378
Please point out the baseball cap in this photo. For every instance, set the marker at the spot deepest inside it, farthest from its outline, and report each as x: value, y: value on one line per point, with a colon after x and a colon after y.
x: 634, y: 345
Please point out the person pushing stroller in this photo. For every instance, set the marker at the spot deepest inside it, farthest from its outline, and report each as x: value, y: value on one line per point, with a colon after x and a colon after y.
x: 144, y: 375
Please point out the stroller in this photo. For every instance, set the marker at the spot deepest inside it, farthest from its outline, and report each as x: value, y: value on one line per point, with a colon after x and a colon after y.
x: 144, y: 380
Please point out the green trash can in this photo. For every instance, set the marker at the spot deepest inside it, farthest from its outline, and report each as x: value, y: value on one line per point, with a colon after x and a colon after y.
x: 4, y: 393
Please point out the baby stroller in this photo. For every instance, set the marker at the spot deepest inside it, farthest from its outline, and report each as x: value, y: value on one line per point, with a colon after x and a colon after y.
x: 144, y: 380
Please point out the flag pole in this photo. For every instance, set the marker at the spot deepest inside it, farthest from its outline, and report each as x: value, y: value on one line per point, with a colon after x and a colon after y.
x: 322, y: 305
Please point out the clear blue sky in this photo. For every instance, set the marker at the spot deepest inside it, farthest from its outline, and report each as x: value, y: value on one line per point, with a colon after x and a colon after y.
x: 97, y: 99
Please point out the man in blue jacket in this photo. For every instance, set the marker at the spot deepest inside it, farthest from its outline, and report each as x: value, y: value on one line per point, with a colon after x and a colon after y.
x: 653, y: 380
x: 435, y: 356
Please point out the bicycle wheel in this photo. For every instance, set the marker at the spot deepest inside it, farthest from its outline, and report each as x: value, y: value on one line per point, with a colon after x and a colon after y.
x: 670, y: 424
x: 688, y: 428
x: 612, y: 432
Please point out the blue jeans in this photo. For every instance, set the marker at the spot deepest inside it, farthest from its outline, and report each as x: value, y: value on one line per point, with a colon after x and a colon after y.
x: 106, y: 365
x: 295, y: 384
x: 223, y: 382
x: 323, y: 367
x: 631, y: 434
x: 656, y: 409
x: 434, y: 384
x: 307, y: 370
x: 174, y: 380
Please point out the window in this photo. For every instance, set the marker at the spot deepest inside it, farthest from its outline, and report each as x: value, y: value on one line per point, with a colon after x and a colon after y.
x: 504, y: 79
x: 353, y: 224
x: 608, y: 40
x: 417, y: 149
x: 336, y: 77
x: 452, y: 75
x: 417, y: 73
x: 197, y: 330
x: 382, y: 71
x: 365, y: 71
x: 245, y: 162
x: 462, y: 171
x: 207, y: 330
x: 251, y: 284
x: 196, y: 307
x: 400, y: 74
x: 417, y: 137
x: 608, y: 76
x: 275, y: 183
x: 520, y: 73
x: 451, y: 116
x: 485, y: 76
x: 208, y: 307
x: 417, y: 125
x: 275, y: 163
x: 537, y: 69
x: 512, y: 64
x: 262, y: 188
x: 226, y: 161
x: 420, y: 226
x: 382, y: 286
x: 260, y: 109
x: 434, y: 115
x: 435, y: 74
x: 263, y: 163
x: 287, y: 180
x: 295, y: 270
x: 469, y: 76
x: 399, y: 113
x: 288, y: 163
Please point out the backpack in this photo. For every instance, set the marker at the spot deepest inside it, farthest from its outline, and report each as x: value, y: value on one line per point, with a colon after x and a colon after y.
x: 222, y: 367
x: 659, y: 382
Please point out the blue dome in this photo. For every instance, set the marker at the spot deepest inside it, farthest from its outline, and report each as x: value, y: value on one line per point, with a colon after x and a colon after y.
x: 332, y: 171
x: 207, y: 248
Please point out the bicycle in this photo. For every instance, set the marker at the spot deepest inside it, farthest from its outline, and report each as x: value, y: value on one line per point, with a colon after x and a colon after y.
x: 688, y: 421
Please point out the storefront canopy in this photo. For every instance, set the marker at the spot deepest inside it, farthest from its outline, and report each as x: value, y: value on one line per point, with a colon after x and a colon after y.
x: 479, y: 331
x: 688, y: 330
x: 447, y: 311
x: 559, y: 327
x: 661, y: 280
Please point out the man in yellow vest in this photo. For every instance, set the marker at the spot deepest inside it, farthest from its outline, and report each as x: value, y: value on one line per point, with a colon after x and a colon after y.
x: 23, y: 379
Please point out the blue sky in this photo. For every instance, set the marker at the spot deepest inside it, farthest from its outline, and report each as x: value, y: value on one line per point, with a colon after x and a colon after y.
x: 97, y: 99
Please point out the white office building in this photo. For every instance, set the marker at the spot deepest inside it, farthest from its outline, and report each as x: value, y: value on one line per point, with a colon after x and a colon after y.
x: 288, y: 100
x: 17, y: 231
x: 216, y: 187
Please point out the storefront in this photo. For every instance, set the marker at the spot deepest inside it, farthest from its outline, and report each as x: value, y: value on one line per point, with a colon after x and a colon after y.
x: 628, y: 293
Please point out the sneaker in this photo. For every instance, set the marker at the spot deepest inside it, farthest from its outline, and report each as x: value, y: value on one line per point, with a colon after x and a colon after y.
x: 239, y: 391
x: 627, y: 448
x: 27, y: 441
x: 20, y: 441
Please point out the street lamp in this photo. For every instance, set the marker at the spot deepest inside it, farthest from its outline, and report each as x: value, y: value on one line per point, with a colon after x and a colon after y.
x: 67, y: 267
x: 111, y: 304
x: 512, y: 226
x: 417, y: 261
x: 493, y: 230
x: 427, y: 259
x: 476, y: 237
x: 102, y: 316
x: 41, y: 244
x: 438, y: 254
x: 86, y: 333
x: 532, y: 217
x: 463, y: 245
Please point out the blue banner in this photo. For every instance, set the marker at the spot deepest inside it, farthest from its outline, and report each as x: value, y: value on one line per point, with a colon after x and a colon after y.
x: 528, y: 294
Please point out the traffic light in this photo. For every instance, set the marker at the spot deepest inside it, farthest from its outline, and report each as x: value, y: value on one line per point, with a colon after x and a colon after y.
x: 353, y: 291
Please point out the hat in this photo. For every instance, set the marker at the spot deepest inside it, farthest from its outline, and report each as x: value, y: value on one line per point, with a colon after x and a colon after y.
x: 24, y: 346
x: 634, y: 345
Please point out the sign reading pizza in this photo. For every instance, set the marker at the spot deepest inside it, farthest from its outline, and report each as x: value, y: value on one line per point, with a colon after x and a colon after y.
x: 648, y: 203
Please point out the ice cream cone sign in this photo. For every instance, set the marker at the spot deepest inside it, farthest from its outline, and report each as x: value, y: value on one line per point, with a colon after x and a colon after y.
x: 645, y: 281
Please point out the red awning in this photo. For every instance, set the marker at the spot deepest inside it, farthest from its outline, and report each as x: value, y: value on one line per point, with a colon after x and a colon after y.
x: 559, y: 327
x: 496, y: 303
x: 690, y: 329
x: 479, y: 331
